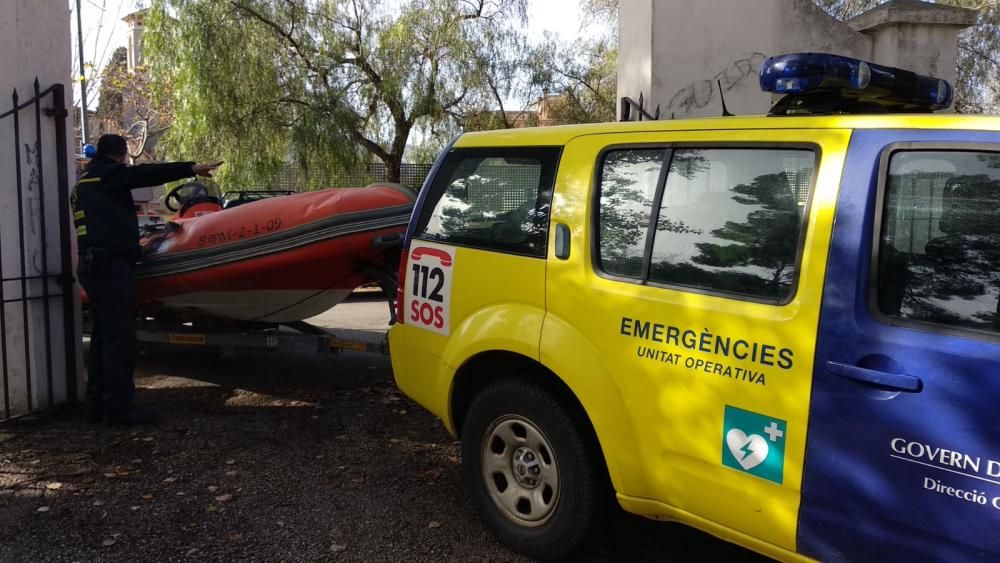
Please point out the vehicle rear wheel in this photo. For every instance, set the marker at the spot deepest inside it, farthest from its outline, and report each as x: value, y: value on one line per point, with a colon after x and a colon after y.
x: 531, y: 470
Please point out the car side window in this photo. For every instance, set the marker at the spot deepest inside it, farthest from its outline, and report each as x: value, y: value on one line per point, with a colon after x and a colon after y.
x: 727, y: 220
x: 493, y: 199
x: 732, y: 221
x: 628, y: 185
x: 939, y: 247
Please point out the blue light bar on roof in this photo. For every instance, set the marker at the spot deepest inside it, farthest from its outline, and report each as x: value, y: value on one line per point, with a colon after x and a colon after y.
x: 805, y: 73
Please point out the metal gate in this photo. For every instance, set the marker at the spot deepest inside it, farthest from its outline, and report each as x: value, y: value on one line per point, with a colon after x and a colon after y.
x: 37, y: 305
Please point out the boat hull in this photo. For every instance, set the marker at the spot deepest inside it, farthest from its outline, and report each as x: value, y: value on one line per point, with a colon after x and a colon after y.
x: 277, y: 306
x: 279, y: 260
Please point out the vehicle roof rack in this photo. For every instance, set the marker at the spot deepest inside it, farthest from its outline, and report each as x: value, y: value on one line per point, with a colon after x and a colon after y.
x: 832, y: 103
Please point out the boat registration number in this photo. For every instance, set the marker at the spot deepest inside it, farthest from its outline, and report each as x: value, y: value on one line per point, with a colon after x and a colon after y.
x: 241, y: 232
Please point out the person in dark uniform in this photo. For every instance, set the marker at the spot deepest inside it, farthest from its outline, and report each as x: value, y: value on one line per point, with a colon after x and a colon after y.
x: 107, y: 232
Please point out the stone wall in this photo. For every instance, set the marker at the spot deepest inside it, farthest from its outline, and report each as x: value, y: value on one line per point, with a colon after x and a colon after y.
x: 681, y: 55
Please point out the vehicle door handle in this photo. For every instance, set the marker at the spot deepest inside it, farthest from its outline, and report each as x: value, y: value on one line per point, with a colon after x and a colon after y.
x: 894, y: 381
x: 562, y: 241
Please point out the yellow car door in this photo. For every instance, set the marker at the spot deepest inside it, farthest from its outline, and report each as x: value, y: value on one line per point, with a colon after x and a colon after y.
x: 473, y: 279
x: 683, y: 285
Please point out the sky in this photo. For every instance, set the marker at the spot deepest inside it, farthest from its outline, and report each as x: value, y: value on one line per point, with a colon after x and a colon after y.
x: 103, y: 30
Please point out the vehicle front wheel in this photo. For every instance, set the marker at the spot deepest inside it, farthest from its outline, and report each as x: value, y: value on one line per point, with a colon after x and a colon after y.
x: 532, y: 470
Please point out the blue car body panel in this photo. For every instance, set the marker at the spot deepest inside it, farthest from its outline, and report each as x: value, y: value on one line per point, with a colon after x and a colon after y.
x: 889, y: 473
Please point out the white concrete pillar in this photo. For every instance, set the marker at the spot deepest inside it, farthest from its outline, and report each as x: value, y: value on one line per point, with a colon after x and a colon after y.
x: 34, y: 42
x: 635, y: 48
x: 916, y: 36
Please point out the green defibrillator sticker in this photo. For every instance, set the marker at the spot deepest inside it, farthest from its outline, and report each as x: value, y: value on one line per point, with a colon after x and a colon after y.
x: 754, y: 443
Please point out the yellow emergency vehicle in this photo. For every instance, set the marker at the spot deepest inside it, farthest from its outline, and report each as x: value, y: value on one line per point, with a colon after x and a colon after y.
x: 783, y: 330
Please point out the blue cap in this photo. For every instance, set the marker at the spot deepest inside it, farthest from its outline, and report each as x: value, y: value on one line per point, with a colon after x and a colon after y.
x: 89, y: 150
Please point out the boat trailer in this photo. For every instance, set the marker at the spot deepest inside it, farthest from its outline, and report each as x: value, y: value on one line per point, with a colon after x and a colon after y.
x: 295, y: 337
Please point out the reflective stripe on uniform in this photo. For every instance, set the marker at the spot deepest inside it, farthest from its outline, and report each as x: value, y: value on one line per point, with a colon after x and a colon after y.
x: 79, y: 214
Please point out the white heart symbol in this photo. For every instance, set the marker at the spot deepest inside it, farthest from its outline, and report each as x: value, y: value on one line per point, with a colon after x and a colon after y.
x: 750, y: 450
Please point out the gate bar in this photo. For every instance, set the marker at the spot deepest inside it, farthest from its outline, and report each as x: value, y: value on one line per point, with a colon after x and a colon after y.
x: 33, y: 298
x: 29, y: 278
x: 45, y: 245
x: 18, y: 108
x: 66, y: 280
x: 3, y: 332
x: 24, y: 272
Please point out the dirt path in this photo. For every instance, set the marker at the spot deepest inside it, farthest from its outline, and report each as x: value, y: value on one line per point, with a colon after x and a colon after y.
x: 270, y: 458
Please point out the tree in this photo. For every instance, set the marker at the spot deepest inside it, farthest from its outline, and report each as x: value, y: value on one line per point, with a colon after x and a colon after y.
x: 125, y: 106
x: 260, y: 82
x: 978, y: 88
x: 98, y: 36
x: 111, y: 101
x: 582, y: 78
x: 606, y: 10
x: 578, y: 81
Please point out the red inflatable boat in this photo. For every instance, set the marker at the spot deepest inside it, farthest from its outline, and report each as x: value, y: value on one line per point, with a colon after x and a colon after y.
x: 276, y: 260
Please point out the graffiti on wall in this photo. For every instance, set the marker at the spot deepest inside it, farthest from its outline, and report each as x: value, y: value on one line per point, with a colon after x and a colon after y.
x: 698, y: 94
x: 32, y: 153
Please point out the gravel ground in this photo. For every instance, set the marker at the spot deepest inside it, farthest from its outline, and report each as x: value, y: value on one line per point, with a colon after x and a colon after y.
x: 267, y: 457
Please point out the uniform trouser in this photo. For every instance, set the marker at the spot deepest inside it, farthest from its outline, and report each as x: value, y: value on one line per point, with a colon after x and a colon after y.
x: 111, y: 292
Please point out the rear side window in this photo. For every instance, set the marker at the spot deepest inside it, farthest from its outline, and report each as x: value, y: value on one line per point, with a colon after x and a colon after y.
x: 939, y: 247
x: 628, y: 186
x: 493, y: 199
x: 721, y: 220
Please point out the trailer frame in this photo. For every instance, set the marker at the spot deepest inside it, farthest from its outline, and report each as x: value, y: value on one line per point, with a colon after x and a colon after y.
x: 295, y: 337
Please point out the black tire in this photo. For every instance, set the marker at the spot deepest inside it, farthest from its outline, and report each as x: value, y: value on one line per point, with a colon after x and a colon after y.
x: 579, y: 502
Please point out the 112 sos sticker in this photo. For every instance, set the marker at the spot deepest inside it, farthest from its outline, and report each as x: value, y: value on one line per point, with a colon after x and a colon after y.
x: 429, y: 287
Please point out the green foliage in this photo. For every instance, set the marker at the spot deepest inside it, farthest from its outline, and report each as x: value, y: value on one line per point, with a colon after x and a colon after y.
x: 110, y: 101
x: 598, y: 8
x: 582, y: 78
x: 325, y: 83
x: 601, y: 10
x: 578, y: 81
x: 847, y: 9
x: 125, y: 108
x: 978, y: 88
